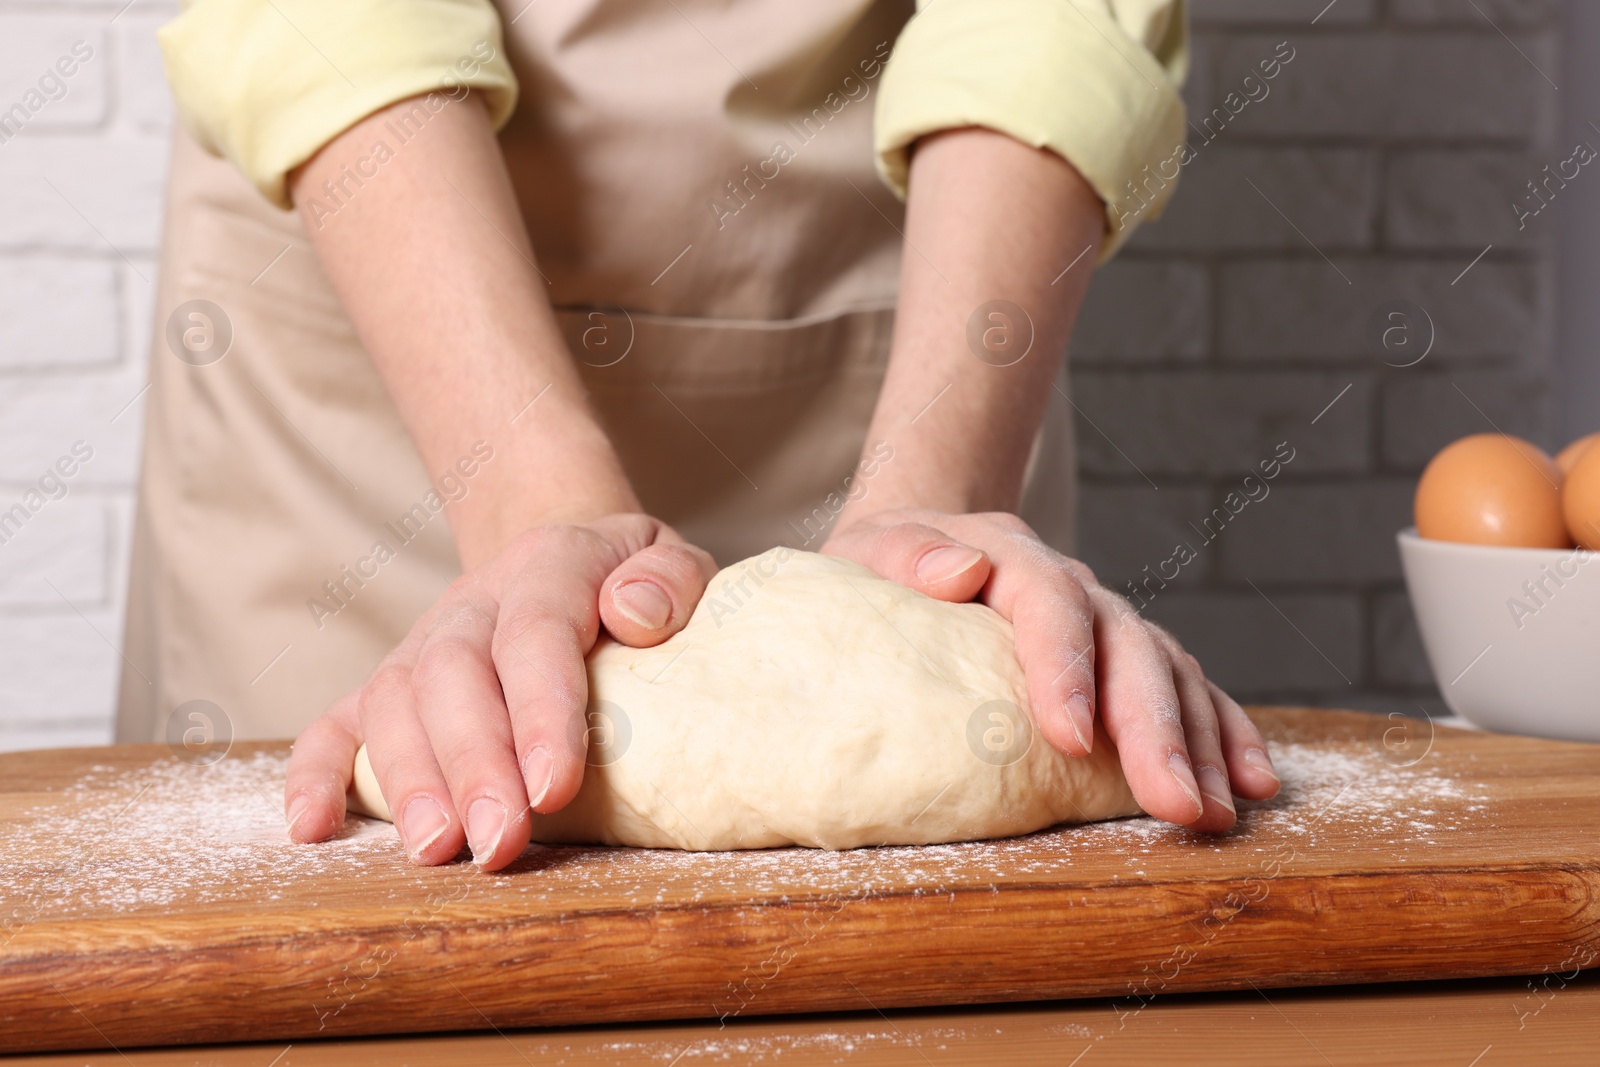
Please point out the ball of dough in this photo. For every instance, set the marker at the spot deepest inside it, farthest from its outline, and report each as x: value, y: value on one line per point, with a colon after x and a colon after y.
x: 810, y: 702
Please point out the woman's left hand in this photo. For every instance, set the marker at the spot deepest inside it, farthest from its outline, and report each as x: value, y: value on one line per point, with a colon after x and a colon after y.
x: 1186, y: 747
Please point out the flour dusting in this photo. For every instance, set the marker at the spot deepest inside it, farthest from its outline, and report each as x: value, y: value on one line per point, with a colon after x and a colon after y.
x: 128, y: 841
x: 761, y: 1047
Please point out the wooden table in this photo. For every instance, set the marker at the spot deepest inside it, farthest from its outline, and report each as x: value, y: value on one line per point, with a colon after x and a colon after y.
x: 150, y: 901
x: 1550, y: 1021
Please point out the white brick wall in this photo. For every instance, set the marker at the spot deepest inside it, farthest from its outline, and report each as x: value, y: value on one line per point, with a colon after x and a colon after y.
x: 81, y: 183
x: 1393, y: 142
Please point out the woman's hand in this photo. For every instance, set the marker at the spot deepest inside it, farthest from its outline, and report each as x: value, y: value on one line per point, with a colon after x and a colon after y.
x: 1186, y: 746
x: 479, y: 716
x: 987, y: 218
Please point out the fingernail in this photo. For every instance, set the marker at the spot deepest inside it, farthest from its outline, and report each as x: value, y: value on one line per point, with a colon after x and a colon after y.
x: 1082, y: 720
x: 1214, y: 787
x: 1262, y: 762
x: 539, y: 772
x: 297, y: 808
x: 943, y: 564
x: 1179, y: 768
x: 423, y: 821
x: 643, y: 604
x: 486, y: 822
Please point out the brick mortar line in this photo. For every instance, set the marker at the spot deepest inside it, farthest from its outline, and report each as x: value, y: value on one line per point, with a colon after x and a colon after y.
x: 73, y: 254
x: 1289, y: 363
x: 1323, y: 366
x: 61, y: 131
x: 113, y: 612
x: 1421, y: 256
x: 44, y: 371
x: 1416, y: 256
x: 1227, y: 32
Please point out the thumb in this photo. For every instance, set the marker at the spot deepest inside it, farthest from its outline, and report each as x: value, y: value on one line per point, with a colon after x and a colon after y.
x: 917, y: 556
x: 652, y: 593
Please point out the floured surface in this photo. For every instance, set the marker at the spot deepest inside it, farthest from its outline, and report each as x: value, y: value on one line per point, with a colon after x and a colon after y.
x: 119, y: 841
x: 171, y: 834
x: 161, y: 901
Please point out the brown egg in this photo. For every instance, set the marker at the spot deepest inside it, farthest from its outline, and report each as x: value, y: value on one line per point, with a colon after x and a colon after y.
x: 1568, y: 457
x: 1490, y: 489
x: 1580, y: 500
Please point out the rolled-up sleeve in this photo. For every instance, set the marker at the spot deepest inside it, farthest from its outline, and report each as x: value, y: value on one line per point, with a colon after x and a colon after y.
x: 1095, y: 81
x: 266, y: 83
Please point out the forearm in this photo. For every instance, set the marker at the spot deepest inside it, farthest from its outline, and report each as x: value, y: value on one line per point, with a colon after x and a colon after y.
x: 431, y: 260
x: 987, y: 219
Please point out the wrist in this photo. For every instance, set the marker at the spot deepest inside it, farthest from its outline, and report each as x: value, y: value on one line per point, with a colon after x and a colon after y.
x: 538, y: 477
x: 922, y: 480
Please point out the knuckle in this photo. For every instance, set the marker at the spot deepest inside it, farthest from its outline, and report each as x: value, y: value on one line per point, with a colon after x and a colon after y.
x: 1082, y: 572
x: 1163, y: 635
x: 470, y: 771
x: 1056, y: 610
x: 907, y: 534
x: 461, y: 616
x: 390, y: 676
x: 634, y: 526
x: 389, y: 682
x: 674, y: 564
x: 1204, y: 736
x: 1112, y: 606
x: 552, y: 537
x: 556, y: 719
x: 1158, y: 717
x: 1230, y: 707
x: 1163, y: 642
x: 1052, y: 591
x: 565, y: 537
x: 1064, y: 585
x: 1185, y: 663
x: 441, y: 656
x: 898, y: 540
x: 530, y: 542
x: 1081, y: 660
x: 517, y: 631
x: 1009, y: 523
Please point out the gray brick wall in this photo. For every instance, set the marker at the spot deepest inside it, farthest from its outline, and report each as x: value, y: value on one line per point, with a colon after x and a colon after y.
x: 1393, y: 143
x: 1380, y: 164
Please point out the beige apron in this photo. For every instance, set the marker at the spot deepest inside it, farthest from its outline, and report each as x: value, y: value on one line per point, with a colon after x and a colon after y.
x: 686, y: 176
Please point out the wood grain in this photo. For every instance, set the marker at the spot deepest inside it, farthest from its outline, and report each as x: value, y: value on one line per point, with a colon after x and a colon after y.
x: 1486, y: 1022
x: 1481, y: 858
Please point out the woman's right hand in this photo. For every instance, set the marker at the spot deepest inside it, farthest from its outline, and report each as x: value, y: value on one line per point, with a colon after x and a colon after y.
x: 478, y: 717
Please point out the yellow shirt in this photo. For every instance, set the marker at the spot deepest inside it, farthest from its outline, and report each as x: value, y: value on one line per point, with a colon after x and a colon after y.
x: 266, y: 83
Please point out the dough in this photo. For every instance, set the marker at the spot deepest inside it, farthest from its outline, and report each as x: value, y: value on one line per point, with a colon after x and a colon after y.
x: 810, y: 702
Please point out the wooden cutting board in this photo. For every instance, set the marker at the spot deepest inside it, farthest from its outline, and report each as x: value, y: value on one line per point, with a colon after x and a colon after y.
x: 150, y: 901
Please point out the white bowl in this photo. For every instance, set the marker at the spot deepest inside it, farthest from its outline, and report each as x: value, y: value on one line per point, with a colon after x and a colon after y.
x: 1512, y: 634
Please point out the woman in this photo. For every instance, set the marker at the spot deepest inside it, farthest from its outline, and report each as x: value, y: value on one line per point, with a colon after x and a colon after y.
x: 663, y: 320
